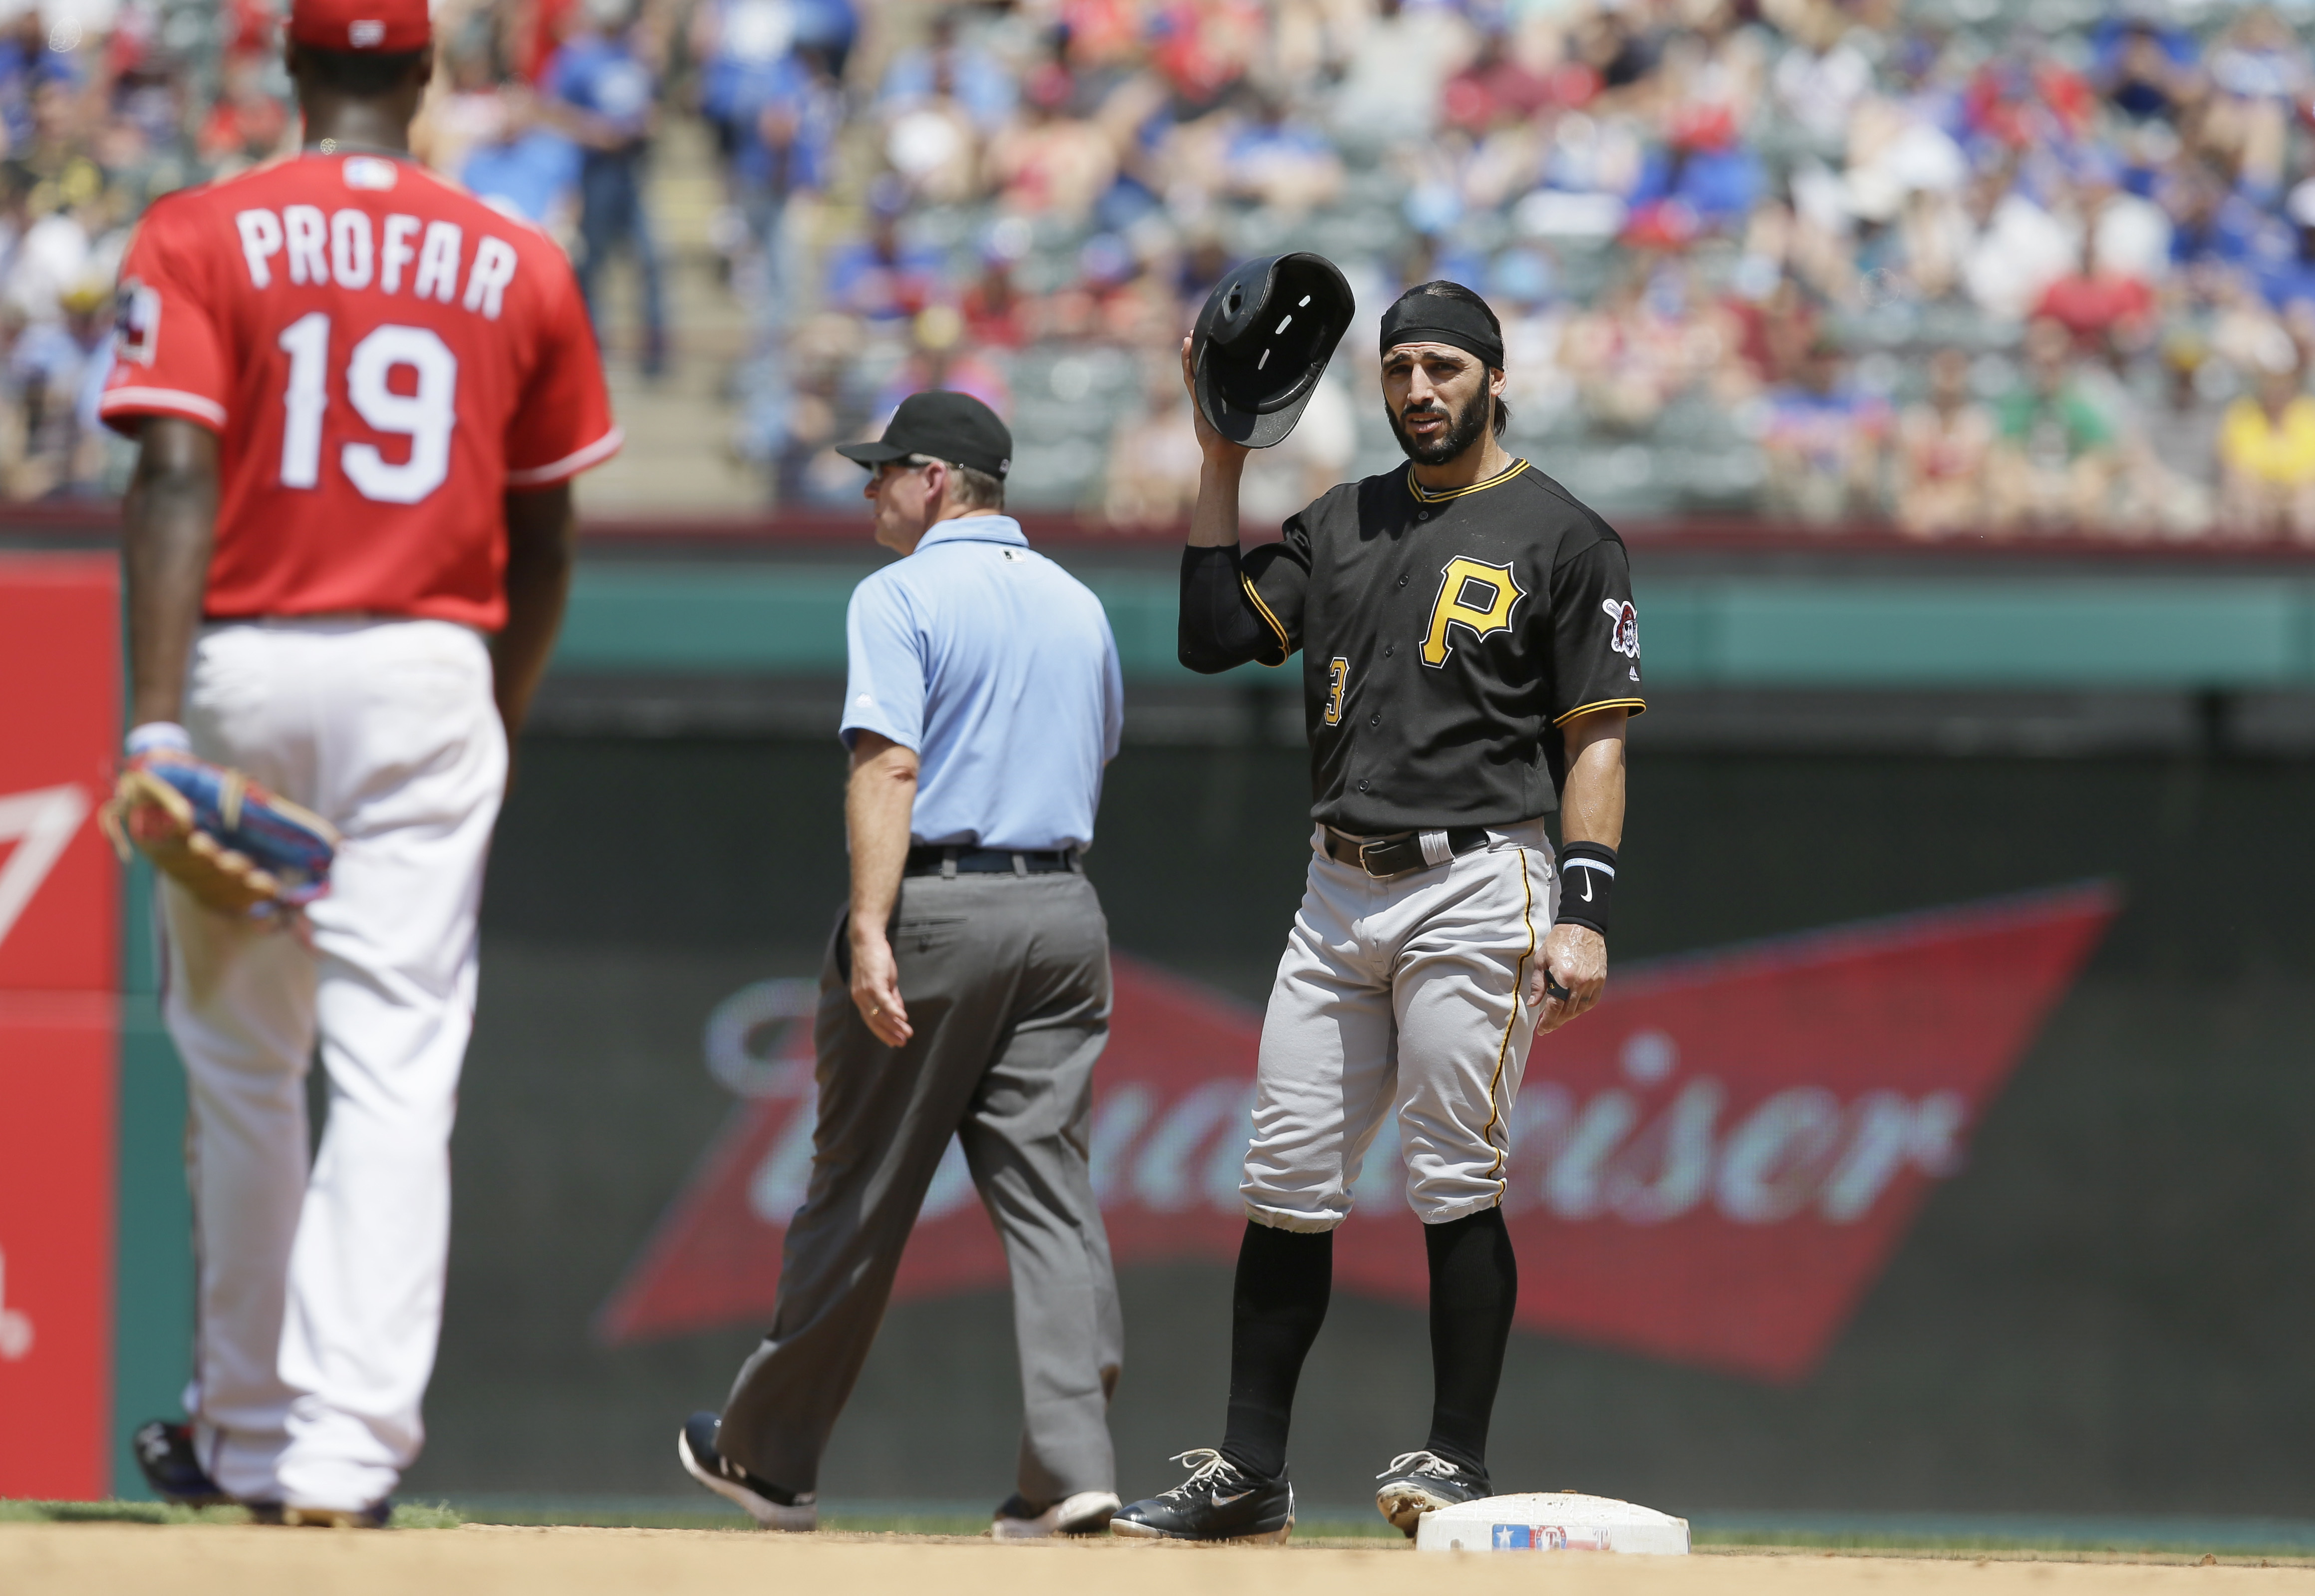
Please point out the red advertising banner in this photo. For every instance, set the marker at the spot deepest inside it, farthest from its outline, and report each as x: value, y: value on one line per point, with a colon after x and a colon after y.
x: 59, y: 728
x: 1711, y: 1168
x: 57, y: 1075
x: 60, y: 940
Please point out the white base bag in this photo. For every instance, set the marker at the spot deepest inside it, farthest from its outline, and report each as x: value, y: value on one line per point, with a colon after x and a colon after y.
x: 1551, y: 1521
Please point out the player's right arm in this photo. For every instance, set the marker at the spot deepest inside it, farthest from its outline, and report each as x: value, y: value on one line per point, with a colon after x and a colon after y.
x: 168, y: 526
x: 168, y: 390
x: 1234, y: 609
x: 1213, y: 519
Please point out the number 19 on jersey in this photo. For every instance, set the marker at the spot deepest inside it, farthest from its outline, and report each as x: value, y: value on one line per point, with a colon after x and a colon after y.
x: 427, y: 415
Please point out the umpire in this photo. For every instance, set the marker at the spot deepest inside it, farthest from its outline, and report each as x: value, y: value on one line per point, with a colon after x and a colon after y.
x: 966, y: 990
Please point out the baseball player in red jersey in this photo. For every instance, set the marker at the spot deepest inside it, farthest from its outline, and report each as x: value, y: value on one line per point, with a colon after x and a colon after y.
x: 361, y: 395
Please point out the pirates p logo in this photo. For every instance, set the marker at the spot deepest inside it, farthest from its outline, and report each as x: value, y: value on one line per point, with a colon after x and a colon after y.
x: 1474, y: 595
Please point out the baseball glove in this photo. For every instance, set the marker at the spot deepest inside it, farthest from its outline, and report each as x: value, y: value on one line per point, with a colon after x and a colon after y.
x: 226, y: 840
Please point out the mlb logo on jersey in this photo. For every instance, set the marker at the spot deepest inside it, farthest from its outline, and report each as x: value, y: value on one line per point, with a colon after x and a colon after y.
x: 373, y: 173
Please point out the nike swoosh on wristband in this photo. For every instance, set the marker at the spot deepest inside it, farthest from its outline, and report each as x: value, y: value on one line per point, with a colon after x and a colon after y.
x: 1587, y: 886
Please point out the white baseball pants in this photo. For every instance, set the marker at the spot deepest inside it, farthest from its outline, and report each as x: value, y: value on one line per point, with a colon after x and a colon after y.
x: 1407, y: 996
x: 320, y: 1288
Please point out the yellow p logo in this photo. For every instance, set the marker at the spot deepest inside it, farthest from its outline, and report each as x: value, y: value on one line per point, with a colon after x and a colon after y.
x: 1474, y: 595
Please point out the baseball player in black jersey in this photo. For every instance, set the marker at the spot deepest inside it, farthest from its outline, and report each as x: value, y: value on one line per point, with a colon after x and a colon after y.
x: 1469, y: 657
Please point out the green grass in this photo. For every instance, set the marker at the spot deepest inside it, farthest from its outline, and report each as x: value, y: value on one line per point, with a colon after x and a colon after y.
x: 407, y: 1515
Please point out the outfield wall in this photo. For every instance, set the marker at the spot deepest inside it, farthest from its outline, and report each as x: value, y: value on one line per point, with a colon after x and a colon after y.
x: 2096, y: 1303
x: 2104, y: 1311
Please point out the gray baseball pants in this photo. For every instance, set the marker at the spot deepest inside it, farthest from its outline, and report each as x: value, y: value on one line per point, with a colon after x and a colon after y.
x: 1404, y: 997
x: 1006, y: 981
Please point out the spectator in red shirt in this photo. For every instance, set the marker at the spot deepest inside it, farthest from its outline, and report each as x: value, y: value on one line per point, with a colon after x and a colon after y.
x: 2102, y: 309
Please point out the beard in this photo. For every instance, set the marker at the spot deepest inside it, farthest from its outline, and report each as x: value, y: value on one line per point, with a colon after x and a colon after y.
x: 1463, y: 428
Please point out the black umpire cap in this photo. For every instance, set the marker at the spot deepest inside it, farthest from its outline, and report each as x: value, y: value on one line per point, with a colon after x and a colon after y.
x: 1263, y: 343
x: 940, y: 426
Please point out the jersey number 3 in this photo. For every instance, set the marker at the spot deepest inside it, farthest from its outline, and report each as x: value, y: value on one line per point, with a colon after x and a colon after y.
x: 1338, y: 677
x: 426, y: 415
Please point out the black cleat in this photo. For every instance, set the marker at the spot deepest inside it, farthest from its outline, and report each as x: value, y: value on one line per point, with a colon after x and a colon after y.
x: 1218, y: 1502
x: 1083, y: 1512
x: 1416, y: 1482
x: 172, y: 1465
x: 771, y: 1507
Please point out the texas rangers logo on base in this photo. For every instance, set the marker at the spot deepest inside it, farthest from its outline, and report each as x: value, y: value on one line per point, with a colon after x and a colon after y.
x: 1625, y: 639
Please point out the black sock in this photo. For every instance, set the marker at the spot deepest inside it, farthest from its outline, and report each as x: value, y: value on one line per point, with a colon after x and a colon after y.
x: 1280, y: 1300
x: 1474, y: 1287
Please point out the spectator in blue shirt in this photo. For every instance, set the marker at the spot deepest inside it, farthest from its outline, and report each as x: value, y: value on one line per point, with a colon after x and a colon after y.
x: 610, y: 103
x: 880, y: 276
x: 529, y: 170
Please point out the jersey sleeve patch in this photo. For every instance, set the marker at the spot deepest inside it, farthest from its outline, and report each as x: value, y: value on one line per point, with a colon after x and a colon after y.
x: 1625, y: 635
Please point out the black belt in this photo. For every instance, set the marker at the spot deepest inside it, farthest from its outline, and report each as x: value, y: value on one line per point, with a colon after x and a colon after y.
x: 925, y: 859
x: 1396, y: 855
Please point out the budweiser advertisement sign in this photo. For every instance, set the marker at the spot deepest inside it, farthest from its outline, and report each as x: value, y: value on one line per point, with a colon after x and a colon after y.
x: 1710, y: 1167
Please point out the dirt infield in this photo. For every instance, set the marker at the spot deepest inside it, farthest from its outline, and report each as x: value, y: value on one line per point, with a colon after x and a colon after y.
x: 476, y: 1560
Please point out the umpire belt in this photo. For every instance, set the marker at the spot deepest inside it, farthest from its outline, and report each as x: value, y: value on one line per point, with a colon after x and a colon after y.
x: 1409, y: 850
x: 925, y: 859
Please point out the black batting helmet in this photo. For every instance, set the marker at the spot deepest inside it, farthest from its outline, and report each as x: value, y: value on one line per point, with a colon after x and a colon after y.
x: 1263, y: 341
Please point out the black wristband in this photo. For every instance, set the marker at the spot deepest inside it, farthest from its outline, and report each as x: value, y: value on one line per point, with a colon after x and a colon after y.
x: 1587, y: 885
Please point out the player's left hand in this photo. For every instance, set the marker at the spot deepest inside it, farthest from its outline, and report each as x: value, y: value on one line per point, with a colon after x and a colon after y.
x: 876, y: 989
x: 1576, y: 957
x: 235, y: 847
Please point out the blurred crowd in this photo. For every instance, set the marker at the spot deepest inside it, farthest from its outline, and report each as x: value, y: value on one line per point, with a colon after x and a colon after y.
x: 1960, y: 266
x: 1954, y: 266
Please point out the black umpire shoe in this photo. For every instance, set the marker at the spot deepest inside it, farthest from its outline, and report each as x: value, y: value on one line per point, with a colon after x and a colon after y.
x: 771, y: 1507
x: 1416, y: 1482
x: 1083, y: 1512
x: 172, y: 1465
x: 1218, y: 1502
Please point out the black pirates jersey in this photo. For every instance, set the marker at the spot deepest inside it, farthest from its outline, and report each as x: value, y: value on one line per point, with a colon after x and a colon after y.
x: 1446, y: 637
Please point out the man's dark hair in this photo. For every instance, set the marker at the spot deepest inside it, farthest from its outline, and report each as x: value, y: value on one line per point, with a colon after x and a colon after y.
x: 1441, y: 289
x: 363, y: 73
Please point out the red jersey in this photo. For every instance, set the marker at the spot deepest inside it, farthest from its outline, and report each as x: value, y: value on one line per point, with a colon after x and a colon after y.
x: 382, y: 356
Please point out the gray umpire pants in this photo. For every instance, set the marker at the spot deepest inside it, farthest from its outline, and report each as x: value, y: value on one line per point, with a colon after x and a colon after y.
x: 1006, y: 983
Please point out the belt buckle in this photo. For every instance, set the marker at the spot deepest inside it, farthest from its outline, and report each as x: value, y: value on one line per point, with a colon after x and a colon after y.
x: 1367, y: 864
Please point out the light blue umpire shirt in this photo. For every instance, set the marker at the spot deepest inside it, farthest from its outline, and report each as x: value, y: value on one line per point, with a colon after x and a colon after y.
x: 998, y: 668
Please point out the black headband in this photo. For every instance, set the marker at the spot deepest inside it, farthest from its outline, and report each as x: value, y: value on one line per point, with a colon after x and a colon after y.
x: 1434, y: 318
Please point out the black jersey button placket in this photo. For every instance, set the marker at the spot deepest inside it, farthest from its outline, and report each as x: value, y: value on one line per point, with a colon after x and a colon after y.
x: 1389, y: 647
